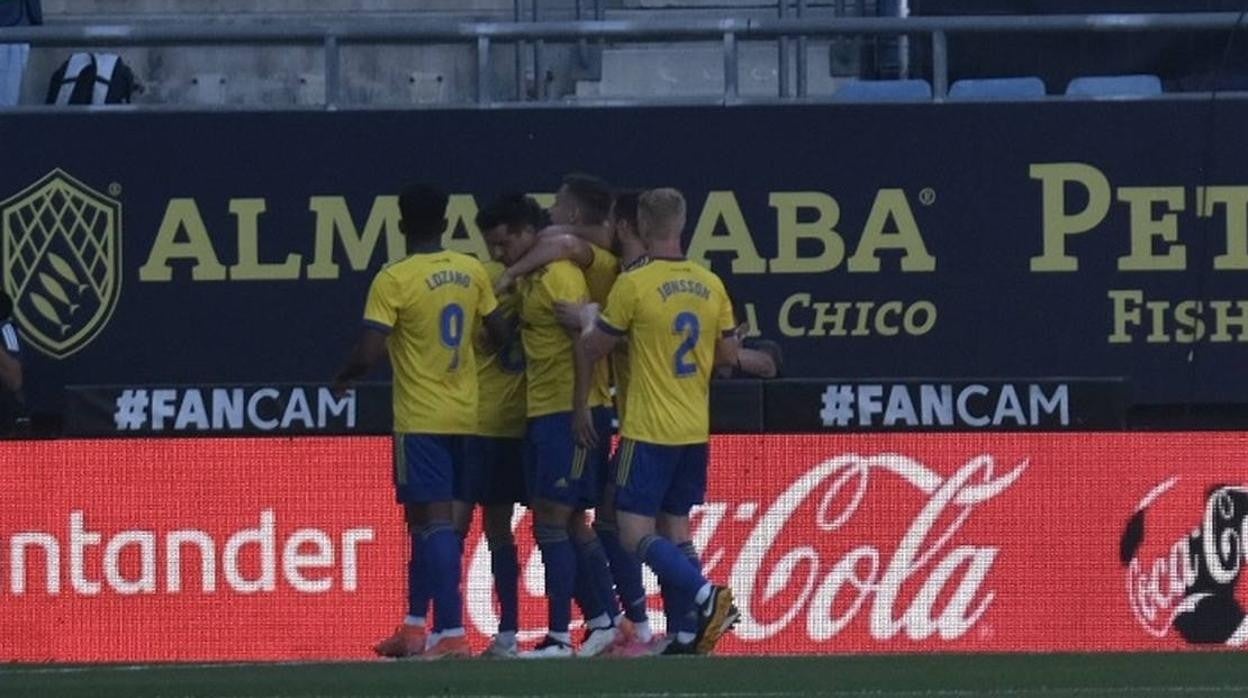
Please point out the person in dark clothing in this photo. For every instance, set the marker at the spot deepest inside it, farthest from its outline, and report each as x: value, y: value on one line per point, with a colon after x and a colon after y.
x: 10, y: 370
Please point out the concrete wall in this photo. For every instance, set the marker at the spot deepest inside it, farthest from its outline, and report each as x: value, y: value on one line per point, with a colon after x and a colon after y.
x: 406, y: 75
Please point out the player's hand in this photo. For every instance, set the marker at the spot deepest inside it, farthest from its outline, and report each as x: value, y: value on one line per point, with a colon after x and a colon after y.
x: 589, y: 317
x: 568, y: 314
x: 576, y: 316
x: 504, y: 283
x: 583, y: 428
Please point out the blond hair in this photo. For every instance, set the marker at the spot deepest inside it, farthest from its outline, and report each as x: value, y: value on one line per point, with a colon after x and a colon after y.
x: 661, y: 214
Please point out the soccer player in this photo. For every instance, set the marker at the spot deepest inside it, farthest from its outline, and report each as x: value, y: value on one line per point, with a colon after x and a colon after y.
x: 679, y: 324
x: 583, y: 244
x: 495, y: 455
x: 579, y: 223
x: 560, y: 476
x: 423, y: 311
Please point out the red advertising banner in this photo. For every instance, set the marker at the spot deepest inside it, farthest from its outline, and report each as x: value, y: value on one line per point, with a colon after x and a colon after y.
x: 268, y: 549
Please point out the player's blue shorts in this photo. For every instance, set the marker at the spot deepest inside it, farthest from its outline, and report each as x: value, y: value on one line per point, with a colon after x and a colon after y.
x: 493, y: 471
x: 651, y: 478
x: 557, y: 469
x: 425, y: 467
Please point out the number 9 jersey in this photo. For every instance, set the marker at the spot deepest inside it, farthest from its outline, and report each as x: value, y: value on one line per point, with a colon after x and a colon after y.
x: 673, y: 312
x: 430, y: 306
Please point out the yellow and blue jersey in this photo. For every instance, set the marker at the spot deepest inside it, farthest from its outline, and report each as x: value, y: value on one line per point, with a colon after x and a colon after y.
x: 600, y: 274
x: 600, y: 277
x: 500, y: 376
x: 674, y: 312
x: 547, y: 344
x: 430, y: 306
x: 619, y: 356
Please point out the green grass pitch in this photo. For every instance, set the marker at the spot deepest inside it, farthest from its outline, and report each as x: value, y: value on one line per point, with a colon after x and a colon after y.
x: 909, y: 676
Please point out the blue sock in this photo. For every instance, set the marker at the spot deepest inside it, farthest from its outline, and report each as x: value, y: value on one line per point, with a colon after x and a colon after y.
x: 417, y: 582
x: 559, y: 559
x: 506, y: 567
x: 670, y: 608
x: 678, y: 576
x: 625, y: 570
x: 689, y: 621
x: 600, y: 571
x: 441, y: 551
x: 585, y: 593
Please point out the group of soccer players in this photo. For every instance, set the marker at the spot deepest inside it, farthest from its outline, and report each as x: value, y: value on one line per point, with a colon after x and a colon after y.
x: 508, y: 378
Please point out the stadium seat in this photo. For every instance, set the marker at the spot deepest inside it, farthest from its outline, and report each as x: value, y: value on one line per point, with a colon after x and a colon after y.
x: 884, y: 91
x: 1115, y: 86
x: 997, y: 88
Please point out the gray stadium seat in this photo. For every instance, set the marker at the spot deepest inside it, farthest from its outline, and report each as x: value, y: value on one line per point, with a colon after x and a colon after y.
x: 1115, y: 86
x: 884, y: 91
x: 997, y: 88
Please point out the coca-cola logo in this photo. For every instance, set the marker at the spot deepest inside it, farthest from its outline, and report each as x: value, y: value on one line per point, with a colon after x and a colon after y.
x: 1190, y: 584
x: 815, y: 558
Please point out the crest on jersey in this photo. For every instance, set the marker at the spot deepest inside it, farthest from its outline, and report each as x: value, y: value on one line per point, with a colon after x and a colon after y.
x: 61, y: 256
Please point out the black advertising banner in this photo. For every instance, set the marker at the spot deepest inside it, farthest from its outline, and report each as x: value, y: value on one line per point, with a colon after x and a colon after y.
x: 804, y: 406
x: 226, y: 410
x: 1083, y: 239
x: 739, y: 406
x: 293, y: 409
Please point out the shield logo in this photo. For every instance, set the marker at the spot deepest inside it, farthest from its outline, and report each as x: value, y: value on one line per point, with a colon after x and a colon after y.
x: 61, y: 255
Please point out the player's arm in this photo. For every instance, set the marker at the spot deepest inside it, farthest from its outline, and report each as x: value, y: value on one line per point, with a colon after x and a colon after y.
x: 368, y: 351
x: 595, y: 343
x: 593, y: 346
x: 578, y: 317
x: 727, y: 351
x: 728, y: 344
x: 500, y: 327
x: 380, y: 315
x: 593, y: 234
x: 751, y: 362
x: 549, y: 248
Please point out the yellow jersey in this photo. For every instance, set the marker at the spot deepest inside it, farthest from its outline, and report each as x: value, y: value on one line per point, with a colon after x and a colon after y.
x: 619, y: 357
x: 673, y: 311
x: 547, y: 344
x: 500, y: 376
x: 600, y: 276
x: 430, y: 305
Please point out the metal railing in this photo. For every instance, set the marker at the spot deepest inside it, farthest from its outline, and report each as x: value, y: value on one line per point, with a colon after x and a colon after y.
x: 728, y: 33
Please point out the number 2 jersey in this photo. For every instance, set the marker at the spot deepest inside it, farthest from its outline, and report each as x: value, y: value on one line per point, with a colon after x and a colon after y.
x: 430, y: 306
x: 673, y: 313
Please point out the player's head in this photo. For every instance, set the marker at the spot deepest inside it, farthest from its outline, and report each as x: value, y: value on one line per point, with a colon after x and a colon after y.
x: 509, y: 225
x: 423, y: 212
x: 624, y: 215
x: 581, y: 200
x: 660, y: 216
